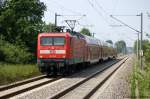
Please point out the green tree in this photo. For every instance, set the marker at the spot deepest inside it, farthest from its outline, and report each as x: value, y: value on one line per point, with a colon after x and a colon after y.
x: 146, y: 48
x: 19, y: 20
x: 48, y: 27
x: 121, y: 47
x: 109, y: 41
x: 85, y: 31
x: 12, y: 53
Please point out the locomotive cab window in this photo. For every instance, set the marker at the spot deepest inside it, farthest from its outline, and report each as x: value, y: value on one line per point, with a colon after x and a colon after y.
x: 52, y: 41
x: 46, y: 41
x: 59, y: 40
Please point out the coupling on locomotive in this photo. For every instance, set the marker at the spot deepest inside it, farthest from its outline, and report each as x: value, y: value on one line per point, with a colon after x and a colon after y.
x: 62, y: 52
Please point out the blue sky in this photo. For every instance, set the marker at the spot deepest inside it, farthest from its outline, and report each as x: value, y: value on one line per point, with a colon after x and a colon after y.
x: 98, y: 18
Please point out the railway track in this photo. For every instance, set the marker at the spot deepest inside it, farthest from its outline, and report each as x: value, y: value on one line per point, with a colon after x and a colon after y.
x: 29, y: 84
x: 5, y: 87
x: 25, y: 85
x: 87, y: 87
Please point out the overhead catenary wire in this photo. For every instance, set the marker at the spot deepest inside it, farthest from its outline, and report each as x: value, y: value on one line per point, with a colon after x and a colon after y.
x: 65, y: 8
x: 123, y: 15
x: 84, y: 25
x: 100, y: 7
x: 109, y: 15
x: 92, y: 5
x: 80, y: 16
x: 70, y: 20
x: 100, y: 14
x: 103, y: 10
x: 124, y: 24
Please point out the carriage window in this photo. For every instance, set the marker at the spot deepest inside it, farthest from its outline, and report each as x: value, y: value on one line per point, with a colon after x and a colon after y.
x: 46, y: 41
x: 59, y: 40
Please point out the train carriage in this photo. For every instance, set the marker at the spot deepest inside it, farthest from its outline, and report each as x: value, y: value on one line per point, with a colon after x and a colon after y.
x: 62, y: 52
x: 58, y: 51
x: 93, y: 47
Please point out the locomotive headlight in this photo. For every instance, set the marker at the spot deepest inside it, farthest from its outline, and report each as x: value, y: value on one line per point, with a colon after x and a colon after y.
x: 60, y: 51
x: 63, y: 56
x: 44, y: 51
x: 41, y: 56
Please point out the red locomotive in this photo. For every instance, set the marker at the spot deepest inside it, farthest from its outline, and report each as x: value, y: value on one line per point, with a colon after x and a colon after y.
x: 63, y: 52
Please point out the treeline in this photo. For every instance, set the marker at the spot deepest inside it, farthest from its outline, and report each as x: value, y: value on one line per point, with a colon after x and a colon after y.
x: 20, y: 23
x: 146, y: 49
x: 141, y: 76
x: 121, y: 47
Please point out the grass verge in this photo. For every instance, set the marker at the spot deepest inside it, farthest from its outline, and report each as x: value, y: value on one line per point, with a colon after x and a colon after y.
x: 140, y: 81
x: 10, y: 73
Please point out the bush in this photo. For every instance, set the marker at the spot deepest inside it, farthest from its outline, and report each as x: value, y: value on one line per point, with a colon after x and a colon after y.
x: 12, y: 53
x: 140, y: 80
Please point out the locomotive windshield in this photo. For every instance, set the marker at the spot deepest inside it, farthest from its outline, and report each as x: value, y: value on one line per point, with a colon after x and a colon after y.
x: 46, y: 41
x: 59, y: 40
x: 52, y: 41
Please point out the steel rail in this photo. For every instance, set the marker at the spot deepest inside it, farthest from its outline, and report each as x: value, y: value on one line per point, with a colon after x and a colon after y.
x: 64, y: 92
x: 19, y: 91
x: 105, y: 79
x: 19, y: 83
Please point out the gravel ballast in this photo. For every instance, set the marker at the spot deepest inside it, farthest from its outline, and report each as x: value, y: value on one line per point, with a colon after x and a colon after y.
x: 118, y: 86
x: 51, y: 89
x: 83, y: 90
